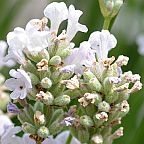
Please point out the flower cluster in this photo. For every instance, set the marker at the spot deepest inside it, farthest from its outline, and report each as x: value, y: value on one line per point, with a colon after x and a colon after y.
x: 59, y: 87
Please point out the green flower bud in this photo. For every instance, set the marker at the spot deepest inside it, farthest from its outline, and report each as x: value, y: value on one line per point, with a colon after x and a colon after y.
x: 104, y: 106
x: 62, y: 100
x: 34, y: 78
x: 28, y: 128
x: 64, y: 53
x: 95, y: 85
x: 110, y: 8
x: 55, y: 127
x: 43, y: 132
x: 37, y: 56
x: 46, y: 82
x: 83, y: 135
x: 55, y: 60
x: 88, y: 75
x: 86, y: 121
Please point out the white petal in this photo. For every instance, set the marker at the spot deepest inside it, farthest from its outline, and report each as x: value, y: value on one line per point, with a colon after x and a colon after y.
x: 73, y: 25
x: 4, y: 121
x: 56, y: 12
x: 102, y: 42
x: 26, y: 78
x: 15, y: 94
x: 11, y: 84
x: 23, y: 94
x: 14, y: 73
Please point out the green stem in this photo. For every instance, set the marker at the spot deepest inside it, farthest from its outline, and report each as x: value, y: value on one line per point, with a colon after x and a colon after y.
x: 69, y: 139
x: 106, y: 23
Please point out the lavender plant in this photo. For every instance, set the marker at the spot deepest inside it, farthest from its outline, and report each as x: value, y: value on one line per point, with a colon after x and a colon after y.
x: 59, y: 87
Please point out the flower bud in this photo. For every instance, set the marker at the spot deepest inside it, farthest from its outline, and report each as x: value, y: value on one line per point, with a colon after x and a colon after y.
x: 110, y: 8
x: 103, y: 106
x: 46, y: 83
x: 118, y: 133
x: 100, y: 118
x: 64, y: 53
x: 39, y: 118
x: 55, y: 60
x: 34, y: 78
x: 47, y: 98
x: 28, y: 128
x: 88, y: 75
x: 97, y: 139
x: 42, y: 66
x: 86, y: 121
x: 12, y: 108
x: 43, y: 132
x: 95, y: 85
x: 62, y: 100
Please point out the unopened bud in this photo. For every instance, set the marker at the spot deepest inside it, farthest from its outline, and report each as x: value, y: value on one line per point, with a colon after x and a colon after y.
x: 39, y: 118
x: 86, y: 121
x: 118, y: 133
x: 43, y: 132
x: 100, y: 118
x: 47, y: 98
x: 55, y: 60
x: 95, y: 85
x: 46, y: 82
x: 110, y: 8
x: 62, y: 100
x: 97, y: 139
x: 104, y: 106
x: 122, y: 60
x: 42, y: 65
x: 88, y: 75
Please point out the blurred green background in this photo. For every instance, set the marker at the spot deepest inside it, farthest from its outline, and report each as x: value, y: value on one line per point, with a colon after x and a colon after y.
x: 127, y: 27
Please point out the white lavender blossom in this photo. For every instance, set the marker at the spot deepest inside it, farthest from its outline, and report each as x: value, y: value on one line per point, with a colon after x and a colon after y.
x: 20, y: 84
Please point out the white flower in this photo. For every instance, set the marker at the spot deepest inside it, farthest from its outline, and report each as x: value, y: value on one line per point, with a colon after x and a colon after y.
x: 82, y: 56
x: 17, y: 42
x: 61, y: 139
x: 20, y: 84
x: 56, y: 12
x: 37, y: 36
x: 8, y: 137
x: 3, y: 48
x: 140, y: 42
x: 30, y: 40
x: 73, y: 25
x: 102, y: 42
x: 4, y: 121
